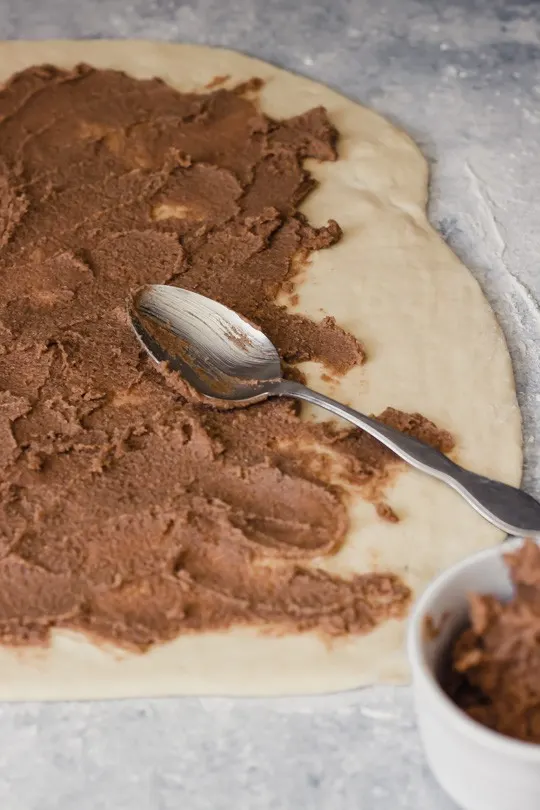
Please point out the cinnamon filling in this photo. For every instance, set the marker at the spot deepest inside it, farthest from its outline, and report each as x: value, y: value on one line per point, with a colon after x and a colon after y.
x: 126, y: 509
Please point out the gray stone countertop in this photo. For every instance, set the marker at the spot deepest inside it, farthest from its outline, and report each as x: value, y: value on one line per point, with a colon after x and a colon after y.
x: 464, y: 79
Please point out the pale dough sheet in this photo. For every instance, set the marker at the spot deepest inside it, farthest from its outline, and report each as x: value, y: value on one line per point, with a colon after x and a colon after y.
x: 433, y: 344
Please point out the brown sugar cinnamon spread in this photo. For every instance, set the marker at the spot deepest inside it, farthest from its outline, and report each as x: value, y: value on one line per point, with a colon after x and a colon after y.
x: 495, y: 674
x: 127, y: 510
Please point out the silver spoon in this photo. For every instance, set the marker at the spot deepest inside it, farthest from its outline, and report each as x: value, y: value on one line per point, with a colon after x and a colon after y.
x: 223, y: 357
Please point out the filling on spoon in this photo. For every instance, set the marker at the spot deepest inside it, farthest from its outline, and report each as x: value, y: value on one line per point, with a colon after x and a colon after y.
x: 126, y: 509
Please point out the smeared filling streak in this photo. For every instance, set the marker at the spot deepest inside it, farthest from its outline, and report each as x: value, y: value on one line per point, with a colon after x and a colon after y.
x: 128, y: 511
x: 495, y: 665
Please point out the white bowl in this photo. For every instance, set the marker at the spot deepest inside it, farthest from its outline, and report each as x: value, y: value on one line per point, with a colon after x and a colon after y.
x: 479, y: 768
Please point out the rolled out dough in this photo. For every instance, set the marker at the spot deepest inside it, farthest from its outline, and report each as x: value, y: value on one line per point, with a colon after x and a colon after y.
x: 434, y: 346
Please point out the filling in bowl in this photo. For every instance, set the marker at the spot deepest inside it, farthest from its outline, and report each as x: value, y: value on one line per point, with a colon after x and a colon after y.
x: 493, y: 672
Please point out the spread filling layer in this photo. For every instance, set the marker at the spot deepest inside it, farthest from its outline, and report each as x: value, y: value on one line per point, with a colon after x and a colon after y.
x: 128, y: 510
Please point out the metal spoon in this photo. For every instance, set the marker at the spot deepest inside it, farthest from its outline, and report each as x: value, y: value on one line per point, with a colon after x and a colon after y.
x: 223, y: 357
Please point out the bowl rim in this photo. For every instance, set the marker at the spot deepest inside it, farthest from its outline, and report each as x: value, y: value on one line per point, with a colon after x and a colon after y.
x: 425, y: 678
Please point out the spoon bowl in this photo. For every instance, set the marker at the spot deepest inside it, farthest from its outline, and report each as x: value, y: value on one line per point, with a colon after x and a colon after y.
x: 219, y: 353
x: 228, y: 360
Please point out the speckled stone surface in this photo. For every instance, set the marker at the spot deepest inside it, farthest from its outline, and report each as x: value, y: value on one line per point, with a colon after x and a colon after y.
x: 464, y: 79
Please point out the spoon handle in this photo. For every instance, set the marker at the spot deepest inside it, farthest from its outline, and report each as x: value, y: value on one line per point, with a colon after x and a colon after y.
x: 506, y: 507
